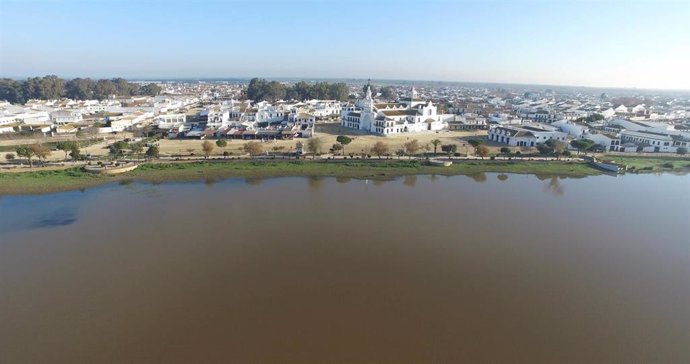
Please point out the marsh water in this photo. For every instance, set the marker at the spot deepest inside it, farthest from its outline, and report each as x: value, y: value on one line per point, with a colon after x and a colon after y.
x: 485, y: 268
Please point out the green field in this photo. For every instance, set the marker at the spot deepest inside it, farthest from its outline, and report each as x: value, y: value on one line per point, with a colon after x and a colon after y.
x: 34, y: 182
x: 652, y: 164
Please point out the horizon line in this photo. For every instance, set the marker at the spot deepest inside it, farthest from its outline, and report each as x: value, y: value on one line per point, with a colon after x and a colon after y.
x: 202, y: 78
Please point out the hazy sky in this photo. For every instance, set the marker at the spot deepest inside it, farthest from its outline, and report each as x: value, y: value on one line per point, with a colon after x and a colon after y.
x: 590, y: 43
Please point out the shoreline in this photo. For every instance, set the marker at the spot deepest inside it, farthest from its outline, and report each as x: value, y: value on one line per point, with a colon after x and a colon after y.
x: 50, y: 181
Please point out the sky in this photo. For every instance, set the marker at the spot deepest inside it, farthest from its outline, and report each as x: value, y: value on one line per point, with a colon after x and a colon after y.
x: 637, y: 44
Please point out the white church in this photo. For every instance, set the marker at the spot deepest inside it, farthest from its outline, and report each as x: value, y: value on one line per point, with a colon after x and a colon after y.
x: 408, y: 115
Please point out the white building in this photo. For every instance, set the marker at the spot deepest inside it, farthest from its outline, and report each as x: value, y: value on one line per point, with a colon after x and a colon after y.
x: 214, y: 117
x: 573, y: 129
x: 407, y: 116
x: 271, y: 114
x: 610, y: 142
x: 127, y: 121
x: 170, y: 121
x: 61, y: 117
x: 654, y: 141
x: 524, y: 136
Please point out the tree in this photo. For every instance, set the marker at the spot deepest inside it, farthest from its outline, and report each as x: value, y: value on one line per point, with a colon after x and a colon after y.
x: 207, y: 147
x: 582, y: 145
x: 682, y: 150
x: 104, y: 89
x: 482, y: 150
x: 80, y: 88
x: 152, y: 152
x: 75, y: 152
x: 380, y: 148
x: 435, y: 143
x: 136, y: 149
x: 65, y: 147
x: 40, y: 151
x: 505, y: 150
x: 449, y: 148
x: 221, y: 143
x: 475, y: 142
x: 12, y: 91
x: 557, y: 146
x: 544, y: 149
x: 150, y: 89
x: 343, y: 140
x: 314, y: 146
x: 368, y: 85
x: 9, y: 156
x: 117, y: 148
x: 51, y: 87
x: 387, y: 92
x: 253, y: 148
x: 26, y: 152
x: 336, y: 148
x: 411, y: 147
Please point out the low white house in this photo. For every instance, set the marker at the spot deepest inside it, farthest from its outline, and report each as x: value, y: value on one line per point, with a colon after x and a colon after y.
x: 610, y: 142
x: 170, y: 121
x: 61, y: 117
x: 655, y: 142
x: 524, y: 136
x: 127, y: 121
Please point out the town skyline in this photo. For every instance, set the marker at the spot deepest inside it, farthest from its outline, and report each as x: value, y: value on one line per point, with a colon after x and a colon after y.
x: 528, y: 43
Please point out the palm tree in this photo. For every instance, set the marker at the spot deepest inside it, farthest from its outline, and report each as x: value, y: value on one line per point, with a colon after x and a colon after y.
x: 436, y: 143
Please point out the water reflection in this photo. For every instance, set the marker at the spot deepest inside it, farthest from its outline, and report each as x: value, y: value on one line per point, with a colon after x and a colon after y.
x: 554, y: 186
x: 343, y: 179
x: 29, y: 212
x: 59, y: 218
x: 254, y: 181
x: 410, y: 181
x: 502, y: 177
x: 478, y: 177
x: 315, y: 182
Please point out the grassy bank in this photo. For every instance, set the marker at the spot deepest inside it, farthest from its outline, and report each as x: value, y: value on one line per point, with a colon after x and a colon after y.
x: 70, y: 179
x: 652, y: 164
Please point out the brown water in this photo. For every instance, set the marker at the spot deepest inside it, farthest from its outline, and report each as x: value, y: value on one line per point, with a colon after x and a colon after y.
x: 489, y: 268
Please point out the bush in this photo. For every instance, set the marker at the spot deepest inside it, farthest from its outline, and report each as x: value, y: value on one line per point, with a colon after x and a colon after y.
x: 667, y: 165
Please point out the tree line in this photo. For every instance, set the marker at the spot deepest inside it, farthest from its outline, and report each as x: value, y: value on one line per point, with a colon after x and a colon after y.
x: 260, y: 89
x: 52, y: 87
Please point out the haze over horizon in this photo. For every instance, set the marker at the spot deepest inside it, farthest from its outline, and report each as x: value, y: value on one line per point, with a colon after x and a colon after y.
x: 615, y: 44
